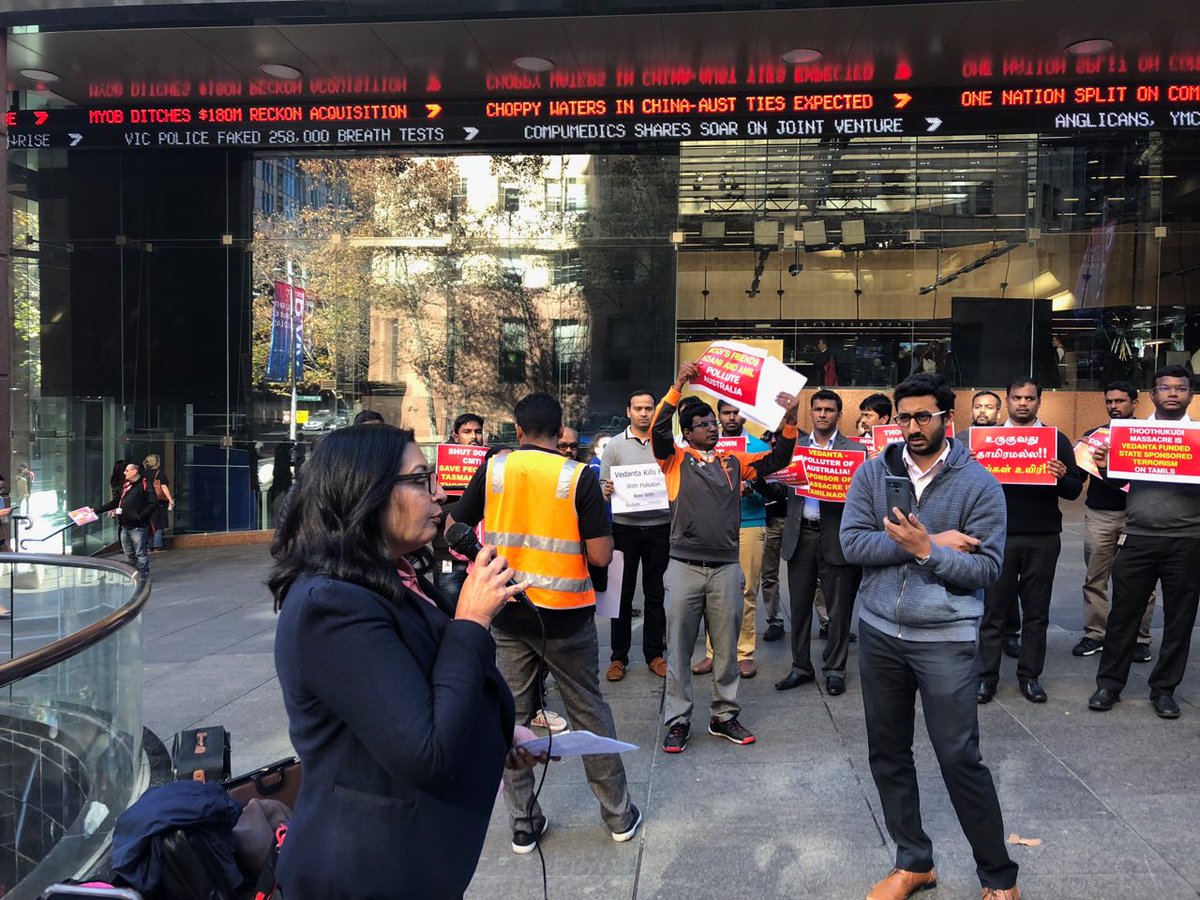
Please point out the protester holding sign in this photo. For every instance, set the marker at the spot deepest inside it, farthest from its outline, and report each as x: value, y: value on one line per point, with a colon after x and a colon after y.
x: 1162, y: 544
x: 748, y: 378
x: 813, y: 550
x: 641, y: 531
x: 751, y: 541
x: 1103, y: 525
x: 1031, y: 547
x: 704, y: 579
x: 454, y: 473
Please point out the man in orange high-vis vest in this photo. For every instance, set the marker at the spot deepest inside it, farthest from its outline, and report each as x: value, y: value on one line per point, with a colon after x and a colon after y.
x: 547, y: 515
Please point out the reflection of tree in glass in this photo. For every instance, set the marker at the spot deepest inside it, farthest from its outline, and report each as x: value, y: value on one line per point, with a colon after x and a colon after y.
x: 405, y: 275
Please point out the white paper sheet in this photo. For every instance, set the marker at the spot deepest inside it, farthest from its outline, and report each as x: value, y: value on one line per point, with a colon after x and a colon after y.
x: 638, y: 488
x: 608, y: 603
x: 577, y: 743
x: 754, y: 395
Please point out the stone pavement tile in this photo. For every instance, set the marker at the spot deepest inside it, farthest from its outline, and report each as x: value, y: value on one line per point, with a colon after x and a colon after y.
x: 193, y: 691
x: 527, y: 885
x: 805, y: 855
x: 257, y: 727
x: 213, y: 637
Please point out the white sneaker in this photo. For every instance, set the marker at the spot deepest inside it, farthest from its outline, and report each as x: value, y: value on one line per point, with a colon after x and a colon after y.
x: 627, y: 835
x: 550, y: 720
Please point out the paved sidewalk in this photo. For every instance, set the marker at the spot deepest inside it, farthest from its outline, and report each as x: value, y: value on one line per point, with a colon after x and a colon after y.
x: 1114, y: 798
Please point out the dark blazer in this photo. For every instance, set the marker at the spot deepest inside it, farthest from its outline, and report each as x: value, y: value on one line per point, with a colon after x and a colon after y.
x: 402, y: 723
x: 831, y: 514
x: 137, y: 506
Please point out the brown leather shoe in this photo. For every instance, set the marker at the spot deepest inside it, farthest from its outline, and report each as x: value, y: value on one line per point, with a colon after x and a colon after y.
x: 616, y: 671
x: 1012, y: 893
x: 747, y: 668
x: 658, y: 666
x: 703, y: 667
x: 900, y: 884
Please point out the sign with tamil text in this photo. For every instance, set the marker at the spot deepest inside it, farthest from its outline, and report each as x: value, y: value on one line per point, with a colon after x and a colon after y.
x: 1018, y: 455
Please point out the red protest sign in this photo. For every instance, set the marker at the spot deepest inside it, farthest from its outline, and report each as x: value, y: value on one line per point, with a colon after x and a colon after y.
x: 731, y: 373
x: 731, y: 444
x: 793, y: 475
x: 456, y: 463
x: 1154, y: 451
x: 829, y: 472
x: 893, y: 434
x: 1016, y: 455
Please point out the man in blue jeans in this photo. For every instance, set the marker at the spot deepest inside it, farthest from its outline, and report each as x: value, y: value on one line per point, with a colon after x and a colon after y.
x: 133, y: 508
x: 919, y: 608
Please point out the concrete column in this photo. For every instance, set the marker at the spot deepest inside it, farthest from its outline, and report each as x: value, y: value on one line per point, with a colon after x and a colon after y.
x: 6, y: 306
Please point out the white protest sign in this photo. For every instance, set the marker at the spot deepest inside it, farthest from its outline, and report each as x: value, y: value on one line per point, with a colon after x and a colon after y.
x: 640, y: 488
x: 608, y: 602
x: 748, y: 378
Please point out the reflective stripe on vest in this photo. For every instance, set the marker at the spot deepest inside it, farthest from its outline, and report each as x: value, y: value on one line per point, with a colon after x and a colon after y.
x: 530, y: 517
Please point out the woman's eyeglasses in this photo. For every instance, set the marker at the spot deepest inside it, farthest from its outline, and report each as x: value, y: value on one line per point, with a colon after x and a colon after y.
x: 429, y: 477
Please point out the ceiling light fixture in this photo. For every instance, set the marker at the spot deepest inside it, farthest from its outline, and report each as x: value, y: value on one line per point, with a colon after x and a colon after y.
x: 533, y: 63
x: 277, y: 70
x: 800, y: 56
x: 1089, y: 47
x: 39, y: 75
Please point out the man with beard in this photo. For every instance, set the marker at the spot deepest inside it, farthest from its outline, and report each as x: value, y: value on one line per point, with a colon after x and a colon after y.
x: 919, y: 607
x: 1162, y: 544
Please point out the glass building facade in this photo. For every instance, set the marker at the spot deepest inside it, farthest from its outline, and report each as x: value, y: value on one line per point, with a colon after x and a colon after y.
x: 146, y: 286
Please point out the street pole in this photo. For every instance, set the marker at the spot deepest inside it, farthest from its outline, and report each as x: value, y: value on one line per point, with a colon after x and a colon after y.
x: 292, y: 349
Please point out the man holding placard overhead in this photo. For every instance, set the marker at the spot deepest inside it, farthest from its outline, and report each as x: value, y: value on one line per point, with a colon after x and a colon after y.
x: 704, y: 579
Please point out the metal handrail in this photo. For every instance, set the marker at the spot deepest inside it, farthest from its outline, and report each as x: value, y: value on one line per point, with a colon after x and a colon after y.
x: 75, y: 643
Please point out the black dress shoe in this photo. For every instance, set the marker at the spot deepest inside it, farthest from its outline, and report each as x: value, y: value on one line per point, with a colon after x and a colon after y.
x: 1032, y: 691
x: 793, y: 679
x: 774, y: 632
x: 835, y: 685
x: 1103, y: 700
x: 1012, y: 647
x: 985, y: 692
x: 1165, y: 707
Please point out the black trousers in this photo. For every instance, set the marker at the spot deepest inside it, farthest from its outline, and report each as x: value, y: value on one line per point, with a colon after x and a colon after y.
x: 450, y: 583
x: 1141, y: 563
x: 808, y: 567
x: 1027, y: 578
x: 650, y: 547
x: 892, y: 671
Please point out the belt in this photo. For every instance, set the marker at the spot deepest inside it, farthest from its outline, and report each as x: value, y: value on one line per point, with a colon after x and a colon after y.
x: 641, y: 527
x: 810, y: 524
x: 702, y: 563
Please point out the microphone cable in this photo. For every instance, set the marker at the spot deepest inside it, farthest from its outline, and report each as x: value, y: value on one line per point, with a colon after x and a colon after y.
x: 540, y: 704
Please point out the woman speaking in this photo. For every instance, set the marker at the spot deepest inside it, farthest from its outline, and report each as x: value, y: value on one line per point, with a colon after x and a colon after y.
x: 400, y: 718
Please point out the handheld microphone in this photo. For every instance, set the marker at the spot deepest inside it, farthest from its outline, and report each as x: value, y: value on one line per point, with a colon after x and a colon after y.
x: 462, y: 540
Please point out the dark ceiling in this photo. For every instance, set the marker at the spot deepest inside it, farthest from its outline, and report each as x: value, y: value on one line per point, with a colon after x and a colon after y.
x: 928, y: 44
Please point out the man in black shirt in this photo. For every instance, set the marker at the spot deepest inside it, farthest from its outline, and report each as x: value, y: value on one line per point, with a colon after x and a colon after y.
x: 1161, y: 544
x: 1103, y: 524
x: 1031, y: 547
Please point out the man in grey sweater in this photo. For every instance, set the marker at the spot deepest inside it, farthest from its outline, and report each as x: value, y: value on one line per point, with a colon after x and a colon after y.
x: 919, y: 607
x: 1161, y: 543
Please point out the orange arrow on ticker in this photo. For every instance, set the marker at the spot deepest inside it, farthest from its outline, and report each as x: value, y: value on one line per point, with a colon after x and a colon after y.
x: 435, y: 110
x: 902, y: 100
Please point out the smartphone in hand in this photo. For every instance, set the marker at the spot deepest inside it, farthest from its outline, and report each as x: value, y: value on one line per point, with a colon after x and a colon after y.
x: 899, y: 491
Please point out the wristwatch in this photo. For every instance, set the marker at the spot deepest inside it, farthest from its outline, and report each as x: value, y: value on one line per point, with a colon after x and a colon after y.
x: 921, y: 560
